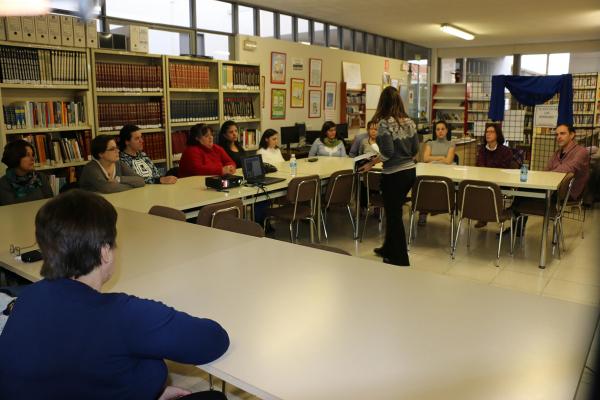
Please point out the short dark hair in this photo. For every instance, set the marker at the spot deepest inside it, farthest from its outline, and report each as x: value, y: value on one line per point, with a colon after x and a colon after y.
x: 14, y: 151
x: 196, y: 131
x: 390, y: 105
x: 222, y: 141
x: 100, y: 143
x: 371, y: 123
x: 265, y: 136
x: 71, y: 230
x: 125, y: 135
x: 570, y: 127
x: 327, y: 125
x: 448, y: 131
x: 497, y: 129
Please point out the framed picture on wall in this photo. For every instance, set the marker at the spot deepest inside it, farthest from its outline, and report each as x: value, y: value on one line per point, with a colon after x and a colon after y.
x: 278, y: 63
x: 315, y: 67
x: 296, y: 93
x: 277, y: 103
x: 330, y: 95
x: 314, y: 104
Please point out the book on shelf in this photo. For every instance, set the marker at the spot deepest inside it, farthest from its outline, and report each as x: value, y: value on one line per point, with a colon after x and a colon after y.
x: 250, y: 137
x: 178, y: 141
x: 189, y: 76
x: 236, y: 107
x: 194, y: 110
x: 42, y: 66
x: 120, y: 77
x: 146, y: 115
x: 584, y: 80
x: 44, y: 114
x: 154, y: 145
x: 240, y: 77
x: 54, y: 149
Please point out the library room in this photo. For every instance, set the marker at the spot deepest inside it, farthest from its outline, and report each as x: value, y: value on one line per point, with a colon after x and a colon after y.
x: 222, y: 199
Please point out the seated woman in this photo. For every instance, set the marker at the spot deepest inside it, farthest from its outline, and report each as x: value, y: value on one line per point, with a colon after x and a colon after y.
x: 131, y: 145
x: 105, y: 173
x: 328, y: 144
x: 438, y: 151
x: 492, y: 153
x: 202, y: 156
x: 65, y: 338
x: 21, y: 183
x: 369, y: 143
x: 228, y: 140
x: 269, y: 147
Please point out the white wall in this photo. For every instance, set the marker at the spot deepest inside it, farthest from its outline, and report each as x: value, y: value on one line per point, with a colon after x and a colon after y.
x: 372, y: 68
x: 584, y: 62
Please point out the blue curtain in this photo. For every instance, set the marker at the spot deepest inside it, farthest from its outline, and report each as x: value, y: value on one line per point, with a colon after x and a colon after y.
x: 532, y: 90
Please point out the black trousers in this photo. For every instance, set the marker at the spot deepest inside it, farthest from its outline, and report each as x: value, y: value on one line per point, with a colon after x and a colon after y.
x: 394, y: 188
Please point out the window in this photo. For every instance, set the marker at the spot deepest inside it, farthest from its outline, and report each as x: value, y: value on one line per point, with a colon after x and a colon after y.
x: 285, y: 27
x: 267, y: 24
x: 333, y: 36
x: 347, y: 42
x: 214, y: 15
x: 389, y: 48
x: 534, y: 64
x: 398, y: 50
x: 217, y: 46
x: 174, y: 12
x: 72, y: 5
x: 370, y: 48
x: 246, y: 20
x: 303, y: 32
x: 166, y: 42
x: 319, y: 33
x: 380, y: 44
x: 359, y: 41
x: 558, y: 63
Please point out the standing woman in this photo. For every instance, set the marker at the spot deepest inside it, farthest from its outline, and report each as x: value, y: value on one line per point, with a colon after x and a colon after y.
x: 398, y: 145
x: 328, y: 144
x: 21, y: 183
x: 269, y: 147
x: 228, y: 140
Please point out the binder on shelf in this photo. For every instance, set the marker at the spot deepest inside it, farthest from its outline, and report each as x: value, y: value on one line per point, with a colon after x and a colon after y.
x: 54, y: 33
x: 66, y: 29
x: 41, y: 29
x: 28, y: 28
x: 91, y: 34
x: 79, y: 33
x: 2, y: 29
x: 137, y: 37
x: 13, y: 29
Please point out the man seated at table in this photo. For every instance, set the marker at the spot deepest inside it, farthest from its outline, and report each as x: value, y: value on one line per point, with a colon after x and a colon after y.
x: 66, y: 339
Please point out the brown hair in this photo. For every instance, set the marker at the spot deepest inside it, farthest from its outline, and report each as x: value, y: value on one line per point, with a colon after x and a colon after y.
x: 390, y: 105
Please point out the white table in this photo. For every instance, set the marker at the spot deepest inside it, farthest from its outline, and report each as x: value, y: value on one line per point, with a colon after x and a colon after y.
x: 328, y: 326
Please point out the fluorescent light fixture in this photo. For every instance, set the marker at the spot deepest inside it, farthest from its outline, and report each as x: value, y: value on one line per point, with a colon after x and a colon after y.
x: 452, y: 30
x: 24, y: 7
x: 306, y: 43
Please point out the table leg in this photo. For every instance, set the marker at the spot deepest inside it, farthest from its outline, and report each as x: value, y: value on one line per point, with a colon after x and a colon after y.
x: 357, y: 221
x: 545, y: 230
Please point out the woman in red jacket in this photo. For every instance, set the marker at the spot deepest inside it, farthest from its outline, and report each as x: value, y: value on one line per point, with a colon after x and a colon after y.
x: 202, y: 156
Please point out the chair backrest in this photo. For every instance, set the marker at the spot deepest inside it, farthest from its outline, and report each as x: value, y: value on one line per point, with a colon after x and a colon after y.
x: 564, y: 190
x: 238, y: 225
x: 480, y: 200
x: 167, y: 212
x: 432, y: 193
x: 339, y: 188
x: 210, y: 213
x: 303, y: 188
x: 373, y: 180
x: 326, y: 248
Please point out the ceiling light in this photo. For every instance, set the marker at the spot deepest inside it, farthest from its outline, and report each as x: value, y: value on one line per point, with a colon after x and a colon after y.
x: 452, y: 30
x: 306, y: 43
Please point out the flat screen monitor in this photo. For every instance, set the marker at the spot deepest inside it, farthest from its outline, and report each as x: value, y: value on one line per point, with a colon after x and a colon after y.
x: 342, y: 131
x: 311, y: 136
x: 301, y: 126
x: 289, y: 135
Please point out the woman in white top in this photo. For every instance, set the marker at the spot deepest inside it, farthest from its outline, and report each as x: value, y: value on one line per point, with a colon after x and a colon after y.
x: 269, y: 147
x: 328, y: 144
x: 369, y: 144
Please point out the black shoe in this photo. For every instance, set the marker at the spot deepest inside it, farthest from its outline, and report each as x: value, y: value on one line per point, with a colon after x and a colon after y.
x: 388, y: 261
x: 378, y: 251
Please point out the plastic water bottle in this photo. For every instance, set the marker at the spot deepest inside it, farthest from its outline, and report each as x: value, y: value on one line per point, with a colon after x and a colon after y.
x: 524, y: 173
x: 293, y: 165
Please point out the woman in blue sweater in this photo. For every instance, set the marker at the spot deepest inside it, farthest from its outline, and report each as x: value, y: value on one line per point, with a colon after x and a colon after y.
x: 328, y: 145
x: 65, y: 339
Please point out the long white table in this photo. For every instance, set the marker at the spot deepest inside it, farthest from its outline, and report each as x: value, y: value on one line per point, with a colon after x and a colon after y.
x: 328, y: 326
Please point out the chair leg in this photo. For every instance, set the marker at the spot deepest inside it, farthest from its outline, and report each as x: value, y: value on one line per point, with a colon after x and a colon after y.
x: 364, y: 224
x: 456, y: 237
x: 451, y: 232
x: 324, y: 222
x: 314, y: 227
x: 351, y: 219
x: 468, y: 232
x: 511, y: 237
x: 292, y: 231
x: 297, y: 229
x: 554, y: 237
x: 380, y: 218
x: 499, y: 244
x: 562, y: 236
x: 411, y: 225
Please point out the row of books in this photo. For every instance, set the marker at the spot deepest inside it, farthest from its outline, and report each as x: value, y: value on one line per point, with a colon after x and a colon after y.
x: 587, y: 94
x: 189, y: 76
x: 117, y: 77
x: 240, y: 77
x: 238, y: 107
x: 584, y: 80
x: 583, y: 120
x: 449, y: 117
x: 178, y: 141
x: 40, y: 66
x: 194, y: 110
x: 477, y: 117
x: 250, y: 137
x: 44, y: 114
x: 112, y: 116
x: 53, y: 149
x: 479, y: 106
x: 583, y: 107
x: 154, y: 145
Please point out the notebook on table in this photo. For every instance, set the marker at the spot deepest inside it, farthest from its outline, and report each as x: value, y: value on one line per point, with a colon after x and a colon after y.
x: 254, y: 171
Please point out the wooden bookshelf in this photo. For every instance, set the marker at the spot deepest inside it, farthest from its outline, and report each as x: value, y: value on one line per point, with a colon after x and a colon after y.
x: 450, y: 103
x: 353, y: 107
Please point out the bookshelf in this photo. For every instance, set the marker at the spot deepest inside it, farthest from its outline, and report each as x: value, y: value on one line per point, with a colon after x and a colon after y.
x: 45, y: 92
x: 129, y: 88
x: 353, y: 107
x: 449, y: 103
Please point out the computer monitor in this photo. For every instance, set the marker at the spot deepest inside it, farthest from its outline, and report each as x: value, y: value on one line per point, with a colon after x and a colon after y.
x: 301, y: 127
x: 311, y: 136
x: 342, y: 131
x: 289, y: 134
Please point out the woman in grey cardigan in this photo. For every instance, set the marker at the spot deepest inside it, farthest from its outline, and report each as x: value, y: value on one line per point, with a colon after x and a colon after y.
x: 106, y: 173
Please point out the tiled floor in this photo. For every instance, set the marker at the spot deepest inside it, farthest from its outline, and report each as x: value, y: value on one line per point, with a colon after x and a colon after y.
x: 574, y: 277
